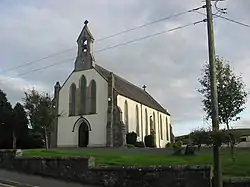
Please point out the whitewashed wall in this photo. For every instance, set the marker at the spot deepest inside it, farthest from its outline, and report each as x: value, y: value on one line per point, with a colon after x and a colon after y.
x: 97, y: 137
x: 160, y: 143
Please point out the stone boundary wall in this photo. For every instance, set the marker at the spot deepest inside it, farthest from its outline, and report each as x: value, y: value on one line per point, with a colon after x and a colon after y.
x: 80, y: 169
x: 237, y: 182
x: 152, y: 176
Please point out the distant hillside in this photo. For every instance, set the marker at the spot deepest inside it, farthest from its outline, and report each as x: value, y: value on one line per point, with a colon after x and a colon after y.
x: 241, y: 132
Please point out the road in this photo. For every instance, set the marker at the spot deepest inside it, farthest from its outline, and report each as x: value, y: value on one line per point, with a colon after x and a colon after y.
x: 5, y: 185
x: 13, y: 179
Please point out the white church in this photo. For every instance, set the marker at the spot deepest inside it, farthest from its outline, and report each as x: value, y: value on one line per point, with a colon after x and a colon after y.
x: 96, y: 107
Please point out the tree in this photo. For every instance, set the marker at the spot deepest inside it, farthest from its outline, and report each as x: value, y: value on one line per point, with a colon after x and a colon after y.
x: 21, y: 132
x: 6, y: 114
x: 41, y: 112
x: 231, y: 93
x: 200, y: 136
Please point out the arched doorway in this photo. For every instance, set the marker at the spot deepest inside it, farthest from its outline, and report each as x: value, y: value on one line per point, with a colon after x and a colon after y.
x: 83, y: 135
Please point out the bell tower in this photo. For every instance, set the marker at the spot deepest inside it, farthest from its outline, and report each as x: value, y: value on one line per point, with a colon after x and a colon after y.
x: 85, y: 59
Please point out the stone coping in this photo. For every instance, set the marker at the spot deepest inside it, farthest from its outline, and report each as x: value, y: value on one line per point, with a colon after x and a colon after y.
x: 154, y: 168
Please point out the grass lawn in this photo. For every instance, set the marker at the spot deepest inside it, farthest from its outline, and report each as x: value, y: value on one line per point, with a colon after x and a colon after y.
x: 114, y: 157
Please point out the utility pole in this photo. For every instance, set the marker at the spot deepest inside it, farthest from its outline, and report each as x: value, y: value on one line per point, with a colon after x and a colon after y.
x: 217, y: 180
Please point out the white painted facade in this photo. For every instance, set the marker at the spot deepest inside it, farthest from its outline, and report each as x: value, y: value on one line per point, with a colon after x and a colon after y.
x: 160, y: 141
x: 98, y: 122
x: 68, y: 129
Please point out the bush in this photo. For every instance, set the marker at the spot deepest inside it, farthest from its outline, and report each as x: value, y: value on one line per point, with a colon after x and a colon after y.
x: 129, y: 146
x: 149, y: 141
x: 168, y: 145
x: 177, y: 148
x: 190, y: 150
x: 19, y: 152
x: 131, y: 138
x: 139, y: 144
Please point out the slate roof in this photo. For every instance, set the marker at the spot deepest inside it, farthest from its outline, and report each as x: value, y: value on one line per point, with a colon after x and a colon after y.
x: 127, y: 89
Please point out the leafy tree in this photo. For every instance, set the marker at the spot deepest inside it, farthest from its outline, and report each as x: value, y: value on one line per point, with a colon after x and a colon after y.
x: 41, y: 112
x: 200, y: 136
x: 6, y: 114
x: 231, y: 93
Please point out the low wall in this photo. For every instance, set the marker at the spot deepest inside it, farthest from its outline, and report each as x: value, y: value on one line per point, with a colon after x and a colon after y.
x: 67, y: 168
x: 154, y: 176
x: 238, y: 182
x: 81, y: 170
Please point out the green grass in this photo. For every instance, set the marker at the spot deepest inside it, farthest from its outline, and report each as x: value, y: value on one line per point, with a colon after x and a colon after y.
x: 112, y: 157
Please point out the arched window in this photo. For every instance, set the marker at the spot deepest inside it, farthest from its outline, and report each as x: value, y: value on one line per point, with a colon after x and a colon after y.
x: 92, y: 97
x: 83, y: 95
x: 137, y: 121
x: 72, y: 100
x: 126, y: 116
x: 167, y: 127
x: 154, y: 121
x: 146, y: 121
x: 161, y: 128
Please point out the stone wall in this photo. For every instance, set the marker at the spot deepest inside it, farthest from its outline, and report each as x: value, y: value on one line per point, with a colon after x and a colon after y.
x: 155, y: 176
x: 70, y: 168
x: 82, y: 170
x: 6, y: 158
x: 240, y: 182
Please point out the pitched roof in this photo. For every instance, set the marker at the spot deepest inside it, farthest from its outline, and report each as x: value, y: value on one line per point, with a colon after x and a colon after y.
x: 131, y: 91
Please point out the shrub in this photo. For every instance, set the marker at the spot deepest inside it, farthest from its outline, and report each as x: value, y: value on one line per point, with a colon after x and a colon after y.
x: 19, y: 152
x: 190, y: 150
x: 149, y: 141
x: 177, y: 148
x: 139, y: 144
x: 168, y: 145
x: 131, y: 138
x: 129, y: 146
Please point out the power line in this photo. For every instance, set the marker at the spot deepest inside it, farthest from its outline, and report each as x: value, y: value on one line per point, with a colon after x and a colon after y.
x: 111, y: 47
x: 38, y: 69
x: 105, y: 38
x: 228, y: 19
x: 153, y: 22
x: 149, y: 36
x: 234, y: 21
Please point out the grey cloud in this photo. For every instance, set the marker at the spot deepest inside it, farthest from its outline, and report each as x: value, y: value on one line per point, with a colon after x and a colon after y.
x: 168, y: 64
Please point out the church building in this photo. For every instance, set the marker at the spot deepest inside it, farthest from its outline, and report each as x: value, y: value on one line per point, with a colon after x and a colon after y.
x: 97, y: 108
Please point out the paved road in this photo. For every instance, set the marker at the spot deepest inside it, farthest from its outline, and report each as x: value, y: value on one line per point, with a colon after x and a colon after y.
x: 5, y: 185
x: 13, y: 179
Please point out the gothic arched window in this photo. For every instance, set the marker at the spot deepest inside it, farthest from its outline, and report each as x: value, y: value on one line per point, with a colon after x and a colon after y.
x: 137, y: 121
x: 126, y: 115
x: 146, y: 121
x: 83, y: 95
x: 154, y: 121
x: 167, y: 128
x: 92, y: 97
x: 72, y: 100
x: 161, y: 128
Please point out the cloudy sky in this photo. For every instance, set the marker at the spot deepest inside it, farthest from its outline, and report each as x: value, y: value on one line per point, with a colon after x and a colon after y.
x: 169, y: 64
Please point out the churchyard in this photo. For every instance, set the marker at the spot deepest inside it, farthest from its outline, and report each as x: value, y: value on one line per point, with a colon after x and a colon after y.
x: 148, y: 157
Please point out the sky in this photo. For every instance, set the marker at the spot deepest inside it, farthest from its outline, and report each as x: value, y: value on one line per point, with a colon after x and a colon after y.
x: 168, y: 64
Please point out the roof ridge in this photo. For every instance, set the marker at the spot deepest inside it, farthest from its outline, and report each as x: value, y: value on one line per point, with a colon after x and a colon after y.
x: 140, y: 90
x: 121, y: 78
x: 129, y: 82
